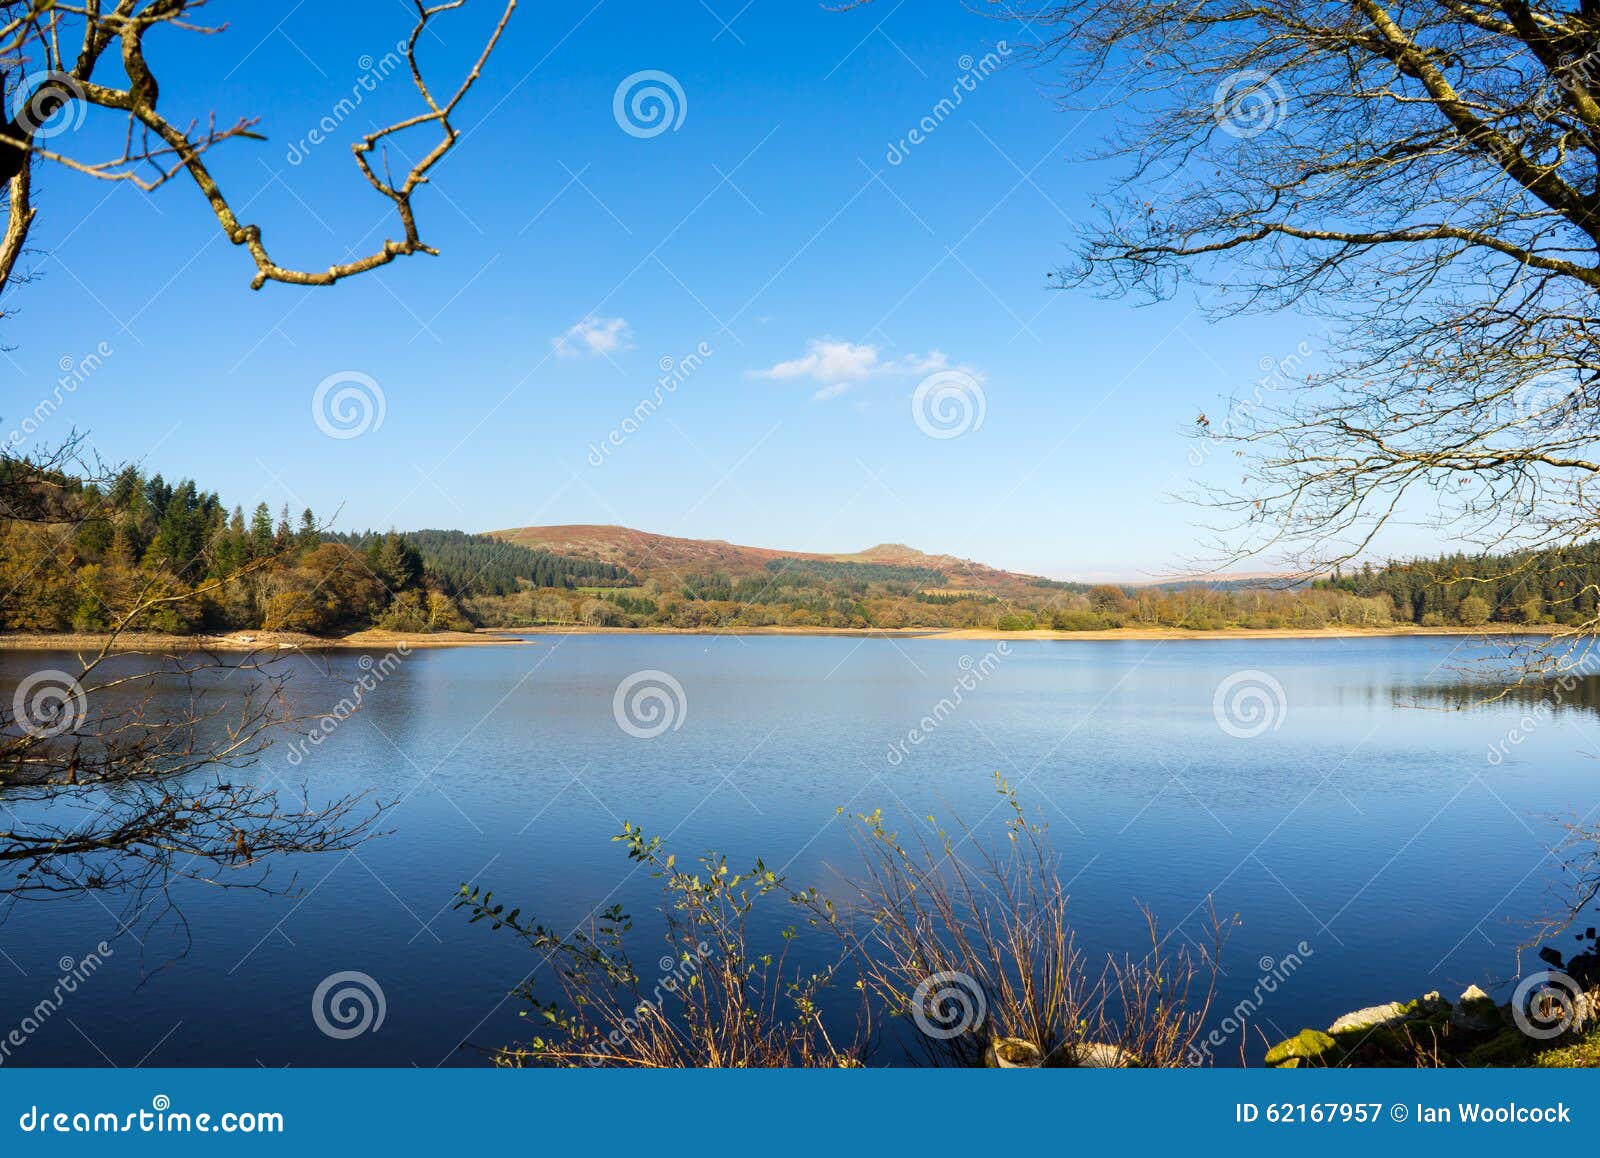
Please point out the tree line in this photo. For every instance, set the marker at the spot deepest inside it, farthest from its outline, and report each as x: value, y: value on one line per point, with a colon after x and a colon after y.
x: 1528, y: 587
x: 136, y: 552
x: 1449, y: 591
x: 90, y: 549
x: 467, y: 564
x: 855, y: 596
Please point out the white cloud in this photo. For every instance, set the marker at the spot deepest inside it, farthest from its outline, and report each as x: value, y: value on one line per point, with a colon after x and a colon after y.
x: 827, y: 361
x: 838, y: 366
x: 594, y: 336
x: 930, y: 363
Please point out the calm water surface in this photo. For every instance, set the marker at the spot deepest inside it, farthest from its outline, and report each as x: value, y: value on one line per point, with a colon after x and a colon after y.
x: 1368, y: 824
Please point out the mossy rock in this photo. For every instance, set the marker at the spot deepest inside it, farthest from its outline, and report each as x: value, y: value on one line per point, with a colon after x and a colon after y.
x: 1430, y: 1007
x: 1098, y: 1055
x: 1476, y: 1013
x: 1309, y: 1047
x: 1361, y: 1020
x: 1012, y: 1053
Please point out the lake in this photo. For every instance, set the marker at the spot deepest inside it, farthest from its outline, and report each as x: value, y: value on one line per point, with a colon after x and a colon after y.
x: 1331, y: 798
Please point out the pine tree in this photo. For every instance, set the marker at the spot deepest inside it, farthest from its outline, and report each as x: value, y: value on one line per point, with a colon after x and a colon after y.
x: 283, y: 537
x: 397, y: 563
x: 261, y: 538
x: 124, y: 487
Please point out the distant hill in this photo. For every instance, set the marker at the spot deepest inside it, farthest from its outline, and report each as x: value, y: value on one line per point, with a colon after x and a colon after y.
x: 642, y: 553
x: 641, y: 550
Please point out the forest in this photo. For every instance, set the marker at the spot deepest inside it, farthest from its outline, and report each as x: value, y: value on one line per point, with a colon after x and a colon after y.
x: 136, y: 552
x: 1469, y: 590
x: 812, y: 594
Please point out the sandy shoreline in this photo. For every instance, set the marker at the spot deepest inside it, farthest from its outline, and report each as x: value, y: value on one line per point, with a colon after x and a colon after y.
x: 1248, y: 632
x: 259, y: 641
x: 1134, y: 633
x: 255, y: 641
x: 571, y: 629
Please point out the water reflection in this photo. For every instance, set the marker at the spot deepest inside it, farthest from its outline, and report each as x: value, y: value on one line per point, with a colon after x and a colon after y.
x: 1567, y: 693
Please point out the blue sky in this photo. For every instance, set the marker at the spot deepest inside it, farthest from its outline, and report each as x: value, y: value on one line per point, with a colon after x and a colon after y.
x: 770, y: 225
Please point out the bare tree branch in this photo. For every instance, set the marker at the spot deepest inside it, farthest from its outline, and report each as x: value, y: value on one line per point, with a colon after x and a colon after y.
x: 157, y: 149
